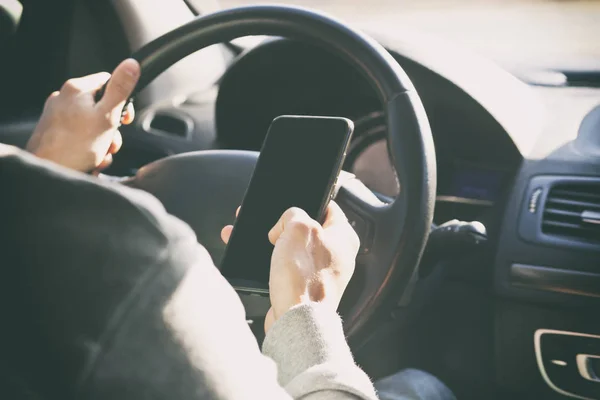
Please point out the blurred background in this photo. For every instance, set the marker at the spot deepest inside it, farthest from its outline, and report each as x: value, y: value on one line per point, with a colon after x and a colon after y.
x: 518, y: 34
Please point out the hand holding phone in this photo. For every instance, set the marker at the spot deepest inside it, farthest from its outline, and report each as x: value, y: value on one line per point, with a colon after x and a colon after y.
x: 299, y: 273
x: 298, y: 166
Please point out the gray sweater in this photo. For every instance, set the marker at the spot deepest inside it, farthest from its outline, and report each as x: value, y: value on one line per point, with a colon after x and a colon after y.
x: 313, y: 359
x: 110, y: 297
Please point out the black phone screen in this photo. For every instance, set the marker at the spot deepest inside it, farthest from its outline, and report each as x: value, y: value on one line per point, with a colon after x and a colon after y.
x: 299, y: 162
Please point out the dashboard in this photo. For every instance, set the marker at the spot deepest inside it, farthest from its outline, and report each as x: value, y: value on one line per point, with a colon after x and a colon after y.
x: 476, y: 160
x: 522, y: 159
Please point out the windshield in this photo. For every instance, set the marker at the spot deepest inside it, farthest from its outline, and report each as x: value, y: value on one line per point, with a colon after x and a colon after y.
x: 517, y: 34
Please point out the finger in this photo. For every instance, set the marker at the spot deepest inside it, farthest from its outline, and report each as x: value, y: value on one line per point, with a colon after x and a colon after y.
x: 292, y: 215
x: 108, y: 159
x: 121, y: 85
x: 129, y: 115
x: 116, y: 143
x: 50, y: 98
x: 334, y: 215
x: 85, y: 83
x: 226, y: 233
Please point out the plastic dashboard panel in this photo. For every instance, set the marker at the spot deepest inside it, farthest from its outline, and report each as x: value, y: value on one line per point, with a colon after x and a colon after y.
x: 540, y: 284
x: 533, y: 266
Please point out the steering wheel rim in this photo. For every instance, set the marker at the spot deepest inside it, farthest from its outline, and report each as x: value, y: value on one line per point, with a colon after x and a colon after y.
x: 397, y: 231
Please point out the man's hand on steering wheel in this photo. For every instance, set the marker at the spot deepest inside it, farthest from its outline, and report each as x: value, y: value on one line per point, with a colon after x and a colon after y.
x: 75, y: 131
x: 310, y: 262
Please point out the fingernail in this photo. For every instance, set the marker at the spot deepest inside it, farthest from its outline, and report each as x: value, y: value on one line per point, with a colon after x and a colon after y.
x: 132, y: 67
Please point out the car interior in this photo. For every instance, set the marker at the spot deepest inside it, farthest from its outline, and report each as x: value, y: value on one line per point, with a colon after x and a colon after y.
x: 475, y: 192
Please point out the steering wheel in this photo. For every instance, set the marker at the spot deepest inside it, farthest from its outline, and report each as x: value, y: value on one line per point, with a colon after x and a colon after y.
x: 204, y: 188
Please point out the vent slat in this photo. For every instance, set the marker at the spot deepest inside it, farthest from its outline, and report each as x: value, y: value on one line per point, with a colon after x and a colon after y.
x: 590, y: 196
x: 568, y: 229
x: 562, y: 212
x: 576, y: 204
x: 562, y: 224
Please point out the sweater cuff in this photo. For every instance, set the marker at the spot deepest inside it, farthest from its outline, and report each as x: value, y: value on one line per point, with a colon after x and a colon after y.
x: 305, y: 336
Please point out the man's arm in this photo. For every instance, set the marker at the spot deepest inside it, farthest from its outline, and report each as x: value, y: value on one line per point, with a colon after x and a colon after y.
x: 311, y: 266
x: 127, y: 303
x: 314, y: 361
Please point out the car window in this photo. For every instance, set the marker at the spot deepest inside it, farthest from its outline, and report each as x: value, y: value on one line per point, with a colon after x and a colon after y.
x: 32, y: 62
x: 553, y: 34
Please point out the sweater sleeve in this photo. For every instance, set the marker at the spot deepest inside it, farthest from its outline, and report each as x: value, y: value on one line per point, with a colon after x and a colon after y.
x: 313, y: 358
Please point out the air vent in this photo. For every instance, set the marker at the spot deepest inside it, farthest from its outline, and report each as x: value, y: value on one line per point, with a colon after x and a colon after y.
x: 572, y: 210
x: 168, y: 123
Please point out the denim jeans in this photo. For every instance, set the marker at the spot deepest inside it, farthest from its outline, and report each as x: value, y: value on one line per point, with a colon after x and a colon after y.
x: 412, y: 384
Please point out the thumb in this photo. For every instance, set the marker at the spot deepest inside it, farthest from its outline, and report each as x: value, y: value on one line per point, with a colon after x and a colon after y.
x: 334, y: 215
x: 120, y: 85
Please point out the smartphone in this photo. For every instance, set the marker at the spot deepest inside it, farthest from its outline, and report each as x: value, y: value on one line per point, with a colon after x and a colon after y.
x: 298, y: 166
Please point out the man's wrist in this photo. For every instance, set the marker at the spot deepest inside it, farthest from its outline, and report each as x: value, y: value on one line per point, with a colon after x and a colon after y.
x: 308, y: 334
x: 319, y: 291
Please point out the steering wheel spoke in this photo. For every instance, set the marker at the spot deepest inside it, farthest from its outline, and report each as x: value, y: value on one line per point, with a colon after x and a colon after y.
x: 362, y: 207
